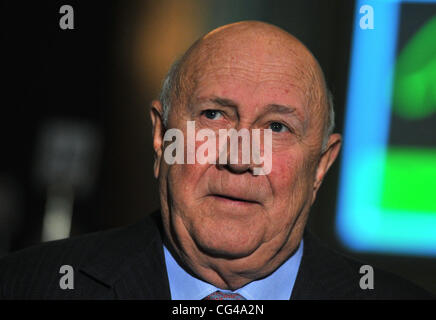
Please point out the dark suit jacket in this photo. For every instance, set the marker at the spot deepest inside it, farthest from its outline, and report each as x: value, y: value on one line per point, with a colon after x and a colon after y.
x: 128, y: 263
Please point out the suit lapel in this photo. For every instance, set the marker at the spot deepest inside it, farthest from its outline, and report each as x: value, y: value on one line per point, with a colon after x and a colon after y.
x: 131, y: 265
x: 323, y: 274
x: 146, y: 277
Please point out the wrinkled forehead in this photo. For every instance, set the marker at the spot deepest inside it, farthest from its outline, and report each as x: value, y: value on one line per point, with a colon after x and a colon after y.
x: 251, y: 88
x: 253, y: 68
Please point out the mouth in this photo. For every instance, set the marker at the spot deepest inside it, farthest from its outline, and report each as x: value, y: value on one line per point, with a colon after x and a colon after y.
x: 233, y: 200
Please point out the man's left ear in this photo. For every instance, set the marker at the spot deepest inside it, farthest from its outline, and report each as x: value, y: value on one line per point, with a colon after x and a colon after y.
x: 326, y: 160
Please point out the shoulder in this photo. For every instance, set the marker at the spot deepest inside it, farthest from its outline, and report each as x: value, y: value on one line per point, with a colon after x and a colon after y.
x: 327, y: 274
x: 34, y: 272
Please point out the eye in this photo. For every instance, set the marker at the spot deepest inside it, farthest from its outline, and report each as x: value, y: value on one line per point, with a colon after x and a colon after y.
x: 212, y: 114
x: 278, y: 127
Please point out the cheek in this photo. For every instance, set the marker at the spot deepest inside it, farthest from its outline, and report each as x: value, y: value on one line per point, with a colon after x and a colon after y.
x: 290, y: 180
x: 184, y: 178
x: 283, y: 171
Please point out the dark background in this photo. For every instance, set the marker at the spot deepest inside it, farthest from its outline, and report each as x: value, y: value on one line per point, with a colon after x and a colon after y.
x: 104, y: 74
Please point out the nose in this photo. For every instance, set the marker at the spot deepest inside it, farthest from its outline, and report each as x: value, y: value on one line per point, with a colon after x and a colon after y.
x: 235, y: 168
x: 237, y: 152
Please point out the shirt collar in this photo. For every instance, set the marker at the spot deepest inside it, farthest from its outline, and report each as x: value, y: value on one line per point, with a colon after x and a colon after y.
x: 276, y: 286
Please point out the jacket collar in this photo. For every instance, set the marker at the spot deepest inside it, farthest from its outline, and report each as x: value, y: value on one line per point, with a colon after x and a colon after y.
x: 130, y: 261
x: 323, y: 274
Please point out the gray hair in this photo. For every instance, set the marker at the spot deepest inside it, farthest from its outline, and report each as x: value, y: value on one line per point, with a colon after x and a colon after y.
x: 330, y: 121
x: 171, y: 86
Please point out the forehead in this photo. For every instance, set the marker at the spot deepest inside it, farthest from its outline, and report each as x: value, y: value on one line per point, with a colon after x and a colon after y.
x: 252, y: 82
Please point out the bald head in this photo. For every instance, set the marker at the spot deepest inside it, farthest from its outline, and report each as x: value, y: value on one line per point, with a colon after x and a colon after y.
x: 256, y: 46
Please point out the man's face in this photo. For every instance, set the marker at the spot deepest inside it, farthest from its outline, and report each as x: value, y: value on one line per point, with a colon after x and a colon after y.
x: 233, y: 213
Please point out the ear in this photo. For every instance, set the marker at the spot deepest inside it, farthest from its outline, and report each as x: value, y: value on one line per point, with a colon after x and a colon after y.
x: 158, y: 129
x: 326, y: 160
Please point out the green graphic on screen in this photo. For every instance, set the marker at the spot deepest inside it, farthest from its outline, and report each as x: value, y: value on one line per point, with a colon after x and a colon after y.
x: 409, y: 182
x: 414, y: 94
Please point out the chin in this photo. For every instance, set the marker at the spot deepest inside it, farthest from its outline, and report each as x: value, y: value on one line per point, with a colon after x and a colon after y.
x: 227, y: 252
x: 230, y: 246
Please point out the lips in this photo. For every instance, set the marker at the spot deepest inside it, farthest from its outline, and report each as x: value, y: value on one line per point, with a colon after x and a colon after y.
x: 234, y: 199
x: 228, y: 188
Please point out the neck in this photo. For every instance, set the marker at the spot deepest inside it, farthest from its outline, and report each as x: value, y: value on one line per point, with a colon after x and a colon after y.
x: 234, y: 273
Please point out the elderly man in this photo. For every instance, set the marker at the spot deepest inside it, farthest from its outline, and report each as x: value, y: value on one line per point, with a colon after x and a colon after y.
x: 223, y: 232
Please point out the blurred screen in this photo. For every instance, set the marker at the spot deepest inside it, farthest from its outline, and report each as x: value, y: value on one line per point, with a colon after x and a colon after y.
x: 388, y: 175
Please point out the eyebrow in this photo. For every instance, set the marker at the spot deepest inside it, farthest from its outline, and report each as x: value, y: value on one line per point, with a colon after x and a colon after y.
x: 273, y: 107
x: 224, y: 102
x: 278, y: 108
x: 270, y: 108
